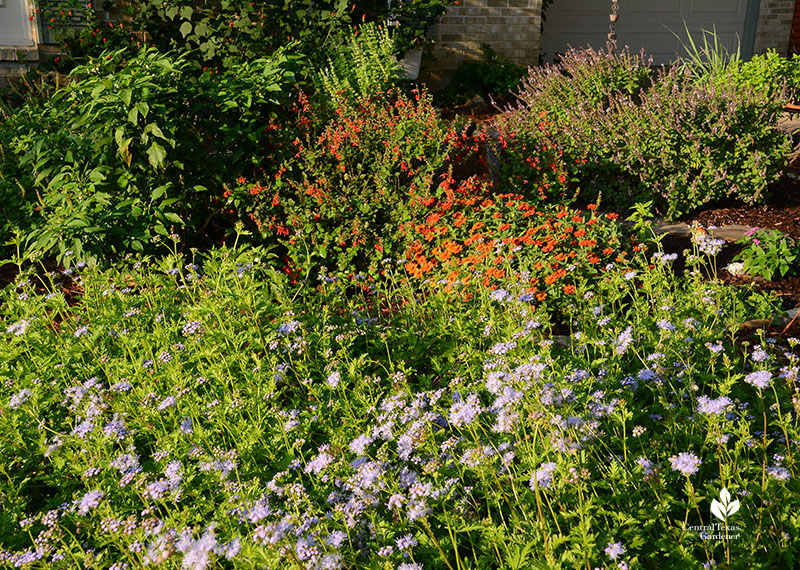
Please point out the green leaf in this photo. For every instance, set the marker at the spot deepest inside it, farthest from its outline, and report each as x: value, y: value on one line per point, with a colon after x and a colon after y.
x: 126, y: 96
x: 156, y: 155
x: 133, y: 115
x: 158, y: 192
x: 174, y: 218
x: 97, y: 175
x: 186, y: 29
x: 153, y: 128
x: 201, y: 29
x: 143, y: 108
x: 186, y: 12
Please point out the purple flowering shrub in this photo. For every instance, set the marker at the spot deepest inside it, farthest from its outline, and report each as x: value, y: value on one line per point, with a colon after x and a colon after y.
x: 212, y: 414
x: 678, y: 142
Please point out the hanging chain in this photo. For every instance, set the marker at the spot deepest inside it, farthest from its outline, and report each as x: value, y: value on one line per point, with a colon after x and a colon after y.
x: 612, y: 26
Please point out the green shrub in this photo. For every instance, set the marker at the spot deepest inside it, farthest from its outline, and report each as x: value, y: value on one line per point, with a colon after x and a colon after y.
x: 364, y: 67
x: 125, y: 153
x: 778, y: 76
x: 582, y: 79
x: 486, y: 77
x: 768, y: 252
x: 215, y: 34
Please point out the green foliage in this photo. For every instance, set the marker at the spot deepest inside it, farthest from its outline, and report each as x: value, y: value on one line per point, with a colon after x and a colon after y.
x: 236, y: 30
x: 363, y: 68
x: 767, y: 253
x: 229, y: 32
x: 414, y: 18
x: 709, y: 60
x: 582, y: 79
x: 126, y: 152
x: 777, y: 76
x: 186, y: 409
x: 530, y: 162
x: 215, y: 34
x: 487, y: 77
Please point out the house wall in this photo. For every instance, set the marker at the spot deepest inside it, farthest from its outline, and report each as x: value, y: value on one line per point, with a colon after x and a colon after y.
x: 774, y: 26
x: 510, y: 27
x: 14, y: 61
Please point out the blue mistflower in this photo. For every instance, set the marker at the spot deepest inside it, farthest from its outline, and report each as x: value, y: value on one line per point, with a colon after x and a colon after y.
x: 623, y: 341
x: 543, y: 477
x: 333, y: 379
x: 685, y: 463
x: 89, y: 501
x: 712, y: 407
x: 406, y: 542
x: 761, y: 379
x: 19, y: 398
x: 614, y: 550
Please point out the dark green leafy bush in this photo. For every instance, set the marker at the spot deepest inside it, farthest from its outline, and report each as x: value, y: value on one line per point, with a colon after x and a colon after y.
x: 486, y: 77
x: 127, y: 152
x: 215, y: 34
x: 225, y: 33
x: 364, y: 67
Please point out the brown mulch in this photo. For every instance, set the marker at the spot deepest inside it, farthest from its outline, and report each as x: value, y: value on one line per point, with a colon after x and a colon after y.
x: 781, y: 211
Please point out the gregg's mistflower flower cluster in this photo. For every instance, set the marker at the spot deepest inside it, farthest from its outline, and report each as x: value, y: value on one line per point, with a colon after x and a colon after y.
x: 759, y: 379
x: 705, y: 243
x: 686, y: 463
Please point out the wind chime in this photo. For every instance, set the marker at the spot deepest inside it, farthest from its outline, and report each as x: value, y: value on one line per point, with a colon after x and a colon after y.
x: 612, y: 26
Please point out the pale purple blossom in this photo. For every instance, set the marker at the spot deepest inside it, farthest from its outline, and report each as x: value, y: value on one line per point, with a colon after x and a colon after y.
x: 614, y: 550
x: 713, y: 407
x: 89, y: 501
x: 333, y: 379
x: 543, y: 477
x: 19, y: 398
x: 686, y: 463
x: 761, y: 379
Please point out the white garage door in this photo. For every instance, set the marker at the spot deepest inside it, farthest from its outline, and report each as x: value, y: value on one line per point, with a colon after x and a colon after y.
x: 648, y: 24
x: 15, y: 26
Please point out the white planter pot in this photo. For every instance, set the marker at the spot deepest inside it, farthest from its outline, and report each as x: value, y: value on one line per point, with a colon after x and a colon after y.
x: 411, y: 62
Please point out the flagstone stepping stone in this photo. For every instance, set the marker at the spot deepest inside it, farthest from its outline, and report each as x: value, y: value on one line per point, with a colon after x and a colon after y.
x: 676, y: 228
x: 733, y: 232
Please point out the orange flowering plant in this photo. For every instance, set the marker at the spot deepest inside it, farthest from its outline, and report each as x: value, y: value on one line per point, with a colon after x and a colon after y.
x: 541, y: 254
x: 353, y: 181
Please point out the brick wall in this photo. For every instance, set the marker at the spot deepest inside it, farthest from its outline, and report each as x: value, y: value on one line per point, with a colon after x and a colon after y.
x: 14, y: 61
x: 511, y: 27
x: 774, y: 26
